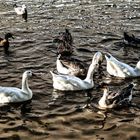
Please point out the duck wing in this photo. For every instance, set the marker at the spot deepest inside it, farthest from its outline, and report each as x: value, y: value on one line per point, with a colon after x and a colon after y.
x: 120, y: 97
x: 18, y: 10
x: 72, y: 63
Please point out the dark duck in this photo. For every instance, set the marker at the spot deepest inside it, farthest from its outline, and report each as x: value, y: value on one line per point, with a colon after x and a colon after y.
x: 64, y: 43
x: 131, y: 39
x: 5, y: 42
x: 115, y: 99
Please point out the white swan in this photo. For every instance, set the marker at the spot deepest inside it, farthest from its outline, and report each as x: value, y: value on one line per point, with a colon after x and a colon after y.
x: 72, y: 83
x: 21, y: 11
x: 114, y: 99
x: 13, y: 94
x: 120, y: 69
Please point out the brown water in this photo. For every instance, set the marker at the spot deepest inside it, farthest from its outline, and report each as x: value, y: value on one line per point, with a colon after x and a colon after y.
x: 95, y: 26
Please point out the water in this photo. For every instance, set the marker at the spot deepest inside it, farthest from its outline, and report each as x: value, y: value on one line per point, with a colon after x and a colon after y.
x: 95, y: 26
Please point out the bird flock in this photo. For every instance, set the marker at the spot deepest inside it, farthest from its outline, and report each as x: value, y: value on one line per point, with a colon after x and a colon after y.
x: 74, y: 74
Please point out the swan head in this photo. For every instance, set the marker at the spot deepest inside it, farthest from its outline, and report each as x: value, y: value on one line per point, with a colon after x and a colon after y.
x: 97, y: 58
x: 138, y: 65
x: 28, y: 73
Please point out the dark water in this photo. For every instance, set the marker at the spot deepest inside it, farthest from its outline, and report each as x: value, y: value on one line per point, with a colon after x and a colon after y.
x: 95, y: 26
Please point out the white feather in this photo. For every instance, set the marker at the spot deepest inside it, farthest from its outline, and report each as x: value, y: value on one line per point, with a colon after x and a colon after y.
x: 13, y: 94
x: 120, y: 69
x: 72, y: 83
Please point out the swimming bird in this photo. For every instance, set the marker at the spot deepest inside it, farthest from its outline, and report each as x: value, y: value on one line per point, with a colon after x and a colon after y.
x: 120, y: 69
x: 71, y: 66
x: 13, y: 94
x: 5, y: 42
x: 73, y: 83
x: 115, y: 99
x: 131, y: 39
x: 64, y: 43
x: 21, y: 11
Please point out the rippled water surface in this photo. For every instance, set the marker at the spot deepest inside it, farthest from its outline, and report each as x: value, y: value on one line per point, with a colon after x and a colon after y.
x: 96, y: 25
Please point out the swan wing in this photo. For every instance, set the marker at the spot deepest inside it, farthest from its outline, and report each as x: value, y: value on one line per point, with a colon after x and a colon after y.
x: 68, y: 82
x: 117, y: 68
x: 10, y: 94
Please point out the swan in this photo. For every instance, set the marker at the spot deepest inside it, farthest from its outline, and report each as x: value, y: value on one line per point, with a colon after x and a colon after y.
x: 13, y: 94
x: 64, y: 43
x: 4, y: 42
x: 73, y: 83
x: 114, y: 99
x: 73, y: 66
x: 21, y: 11
x: 120, y: 69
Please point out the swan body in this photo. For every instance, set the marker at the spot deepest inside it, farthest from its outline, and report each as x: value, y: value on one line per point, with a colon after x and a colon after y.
x: 21, y: 11
x: 111, y: 100
x: 120, y: 69
x: 5, y: 42
x: 73, y: 83
x: 13, y: 94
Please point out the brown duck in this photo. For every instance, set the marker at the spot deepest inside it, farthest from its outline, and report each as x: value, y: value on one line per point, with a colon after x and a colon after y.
x: 64, y: 43
x: 5, y: 42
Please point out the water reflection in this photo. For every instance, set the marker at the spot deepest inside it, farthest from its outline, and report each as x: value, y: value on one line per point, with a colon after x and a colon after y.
x: 95, y: 26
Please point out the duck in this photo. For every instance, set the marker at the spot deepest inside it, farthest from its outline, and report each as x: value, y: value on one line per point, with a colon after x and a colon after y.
x: 72, y: 83
x: 5, y: 42
x: 116, y: 99
x: 71, y: 66
x: 75, y: 67
x: 64, y: 43
x: 13, y: 94
x: 119, y: 69
x: 21, y: 10
x: 131, y: 39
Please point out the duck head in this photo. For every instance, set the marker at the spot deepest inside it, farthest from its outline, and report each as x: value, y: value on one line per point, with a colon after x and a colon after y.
x: 65, y: 37
x: 15, y: 5
x: 8, y: 35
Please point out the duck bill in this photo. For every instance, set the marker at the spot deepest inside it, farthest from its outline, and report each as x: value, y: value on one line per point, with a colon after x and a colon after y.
x: 106, y: 57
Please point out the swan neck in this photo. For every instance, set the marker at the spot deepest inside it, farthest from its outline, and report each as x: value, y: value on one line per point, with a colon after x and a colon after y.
x: 90, y: 73
x: 25, y: 86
